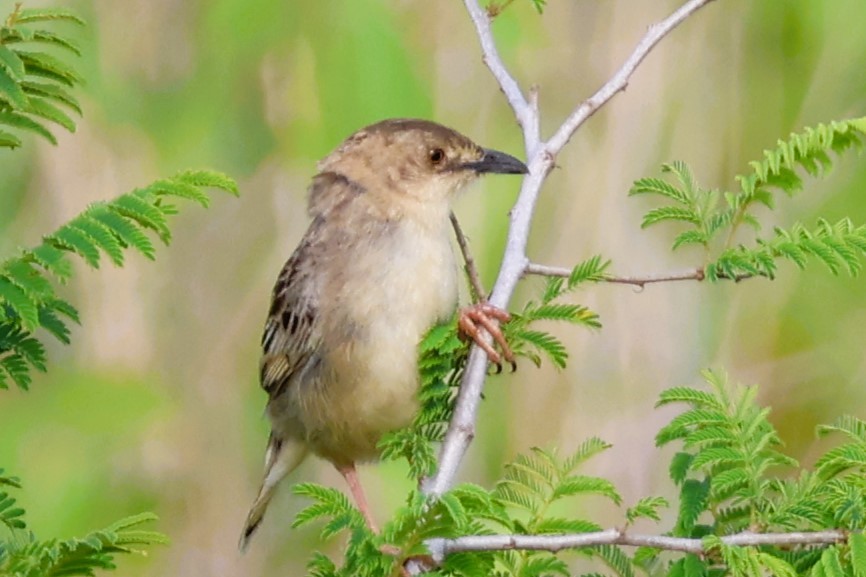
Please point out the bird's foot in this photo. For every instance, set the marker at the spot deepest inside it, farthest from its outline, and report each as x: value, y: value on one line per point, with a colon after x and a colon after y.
x: 470, y: 322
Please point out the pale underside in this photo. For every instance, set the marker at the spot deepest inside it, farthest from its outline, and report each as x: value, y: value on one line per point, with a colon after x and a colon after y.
x: 340, y: 363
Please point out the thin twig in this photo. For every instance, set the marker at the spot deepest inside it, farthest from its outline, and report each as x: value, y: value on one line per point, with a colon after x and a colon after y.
x: 696, y: 274
x: 440, y: 548
x: 619, y: 81
x: 475, y: 285
x: 540, y: 156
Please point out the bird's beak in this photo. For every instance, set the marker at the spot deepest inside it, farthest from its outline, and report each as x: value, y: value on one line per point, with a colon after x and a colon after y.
x: 497, y: 162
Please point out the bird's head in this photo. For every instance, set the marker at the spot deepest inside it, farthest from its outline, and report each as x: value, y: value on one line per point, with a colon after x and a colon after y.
x: 408, y: 160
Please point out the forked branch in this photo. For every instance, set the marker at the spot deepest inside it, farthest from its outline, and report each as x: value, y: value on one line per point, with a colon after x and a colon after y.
x: 540, y: 160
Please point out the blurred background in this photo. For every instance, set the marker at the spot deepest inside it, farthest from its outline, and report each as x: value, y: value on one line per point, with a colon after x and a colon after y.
x: 156, y: 404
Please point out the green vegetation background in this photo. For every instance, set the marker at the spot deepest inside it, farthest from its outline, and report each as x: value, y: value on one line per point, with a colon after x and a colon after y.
x: 156, y: 404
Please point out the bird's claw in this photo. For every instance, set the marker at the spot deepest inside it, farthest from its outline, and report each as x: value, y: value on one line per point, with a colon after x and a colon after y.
x: 485, y: 316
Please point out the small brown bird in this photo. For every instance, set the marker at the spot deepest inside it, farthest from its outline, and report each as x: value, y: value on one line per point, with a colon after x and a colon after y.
x: 372, y: 274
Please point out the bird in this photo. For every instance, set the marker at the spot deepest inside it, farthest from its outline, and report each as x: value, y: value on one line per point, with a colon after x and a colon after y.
x: 373, y: 273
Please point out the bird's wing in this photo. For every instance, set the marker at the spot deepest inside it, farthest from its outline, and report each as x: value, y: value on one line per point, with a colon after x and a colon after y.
x: 290, y: 337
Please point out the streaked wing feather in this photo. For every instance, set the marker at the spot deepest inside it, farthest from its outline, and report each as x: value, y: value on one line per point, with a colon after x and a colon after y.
x: 290, y: 334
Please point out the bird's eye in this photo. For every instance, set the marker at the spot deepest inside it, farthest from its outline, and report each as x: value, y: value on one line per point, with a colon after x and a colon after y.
x: 437, y: 155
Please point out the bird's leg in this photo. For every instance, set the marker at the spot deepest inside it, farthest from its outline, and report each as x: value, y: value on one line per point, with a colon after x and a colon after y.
x: 486, y: 315
x: 351, y: 475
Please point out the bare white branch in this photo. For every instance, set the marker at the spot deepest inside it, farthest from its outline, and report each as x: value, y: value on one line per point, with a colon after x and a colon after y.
x: 525, y: 112
x: 620, y: 80
x: 540, y: 155
x: 440, y: 548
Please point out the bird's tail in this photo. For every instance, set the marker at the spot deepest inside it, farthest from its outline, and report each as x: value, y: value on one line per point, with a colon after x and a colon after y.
x: 281, y: 458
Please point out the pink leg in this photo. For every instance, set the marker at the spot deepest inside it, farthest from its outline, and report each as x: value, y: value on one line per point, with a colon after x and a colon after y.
x: 351, y: 475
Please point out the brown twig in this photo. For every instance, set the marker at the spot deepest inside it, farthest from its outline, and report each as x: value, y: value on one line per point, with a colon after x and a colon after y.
x: 696, y: 274
x: 692, y: 274
x: 475, y: 286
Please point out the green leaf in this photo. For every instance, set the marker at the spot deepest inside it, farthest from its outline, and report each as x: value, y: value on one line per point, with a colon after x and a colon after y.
x: 693, y: 566
x: 591, y: 270
x: 208, y: 179
x: 539, y: 5
x: 16, y: 367
x: 11, y: 91
x: 30, y: 280
x: 614, y: 557
x: 44, y: 109
x: 49, y: 321
x: 44, y: 37
x: 585, y: 451
x: 8, y: 140
x: 101, y: 236
x: 53, y: 260
x: 20, y: 302
x: 664, y: 213
x: 124, y: 229
x: 47, y: 66
x: 680, y: 466
x: 683, y: 173
x: 76, y: 240
x: 693, y: 501
x: 661, y: 187
x: 689, y: 395
x: 857, y: 543
x: 647, y: 508
x: 146, y: 214
x: 51, y: 92
x: 46, y: 14
x: 178, y: 188
x: 831, y: 564
x: 690, y: 237
x: 16, y: 120
x: 10, y: 62
x: 560, y: 525
x: 582, y: 484
x: 852, y: 427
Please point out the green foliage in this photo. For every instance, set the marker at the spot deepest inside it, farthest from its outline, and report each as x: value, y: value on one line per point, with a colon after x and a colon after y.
x: 530, y: 343
x: 34, y: 88
x: 646, y: 508
x: 532, y: 485
x: 28, y: 301
x: 713, y: 217
x: 733, y: 478
x: 23, y: 555
x: 532, y: 488
x: 441, y: 358
x: 34, y: 85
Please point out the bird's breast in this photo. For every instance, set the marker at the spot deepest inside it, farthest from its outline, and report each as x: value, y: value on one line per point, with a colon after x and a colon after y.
x: 391, y: 291
x: 405, y: 280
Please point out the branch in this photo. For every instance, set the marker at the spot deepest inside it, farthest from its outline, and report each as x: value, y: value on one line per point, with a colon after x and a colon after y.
x: 696, y: 274
x: 619, y: 81
x: 525, y: 111
x: 440, y: 548
x: 475, y: 286
x: 540, y: 156
x: 638, y: 281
